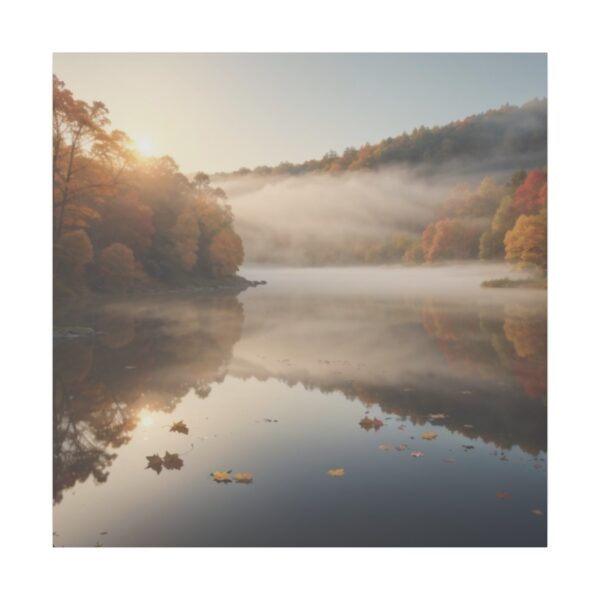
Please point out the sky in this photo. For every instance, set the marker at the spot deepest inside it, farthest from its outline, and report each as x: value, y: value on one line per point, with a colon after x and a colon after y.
x: 221, y: 112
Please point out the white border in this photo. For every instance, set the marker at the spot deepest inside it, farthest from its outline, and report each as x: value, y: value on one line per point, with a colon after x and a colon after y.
x: 31, y: 31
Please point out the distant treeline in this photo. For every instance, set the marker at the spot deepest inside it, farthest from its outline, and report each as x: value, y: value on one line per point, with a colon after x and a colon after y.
x: 507, y: 132
x: 507, y: 221
x: 493, y: 222
x: 122, y: 222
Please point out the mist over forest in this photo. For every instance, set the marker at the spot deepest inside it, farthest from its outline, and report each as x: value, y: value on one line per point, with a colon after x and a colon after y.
x: 442, y: 193
x: 472, y: 189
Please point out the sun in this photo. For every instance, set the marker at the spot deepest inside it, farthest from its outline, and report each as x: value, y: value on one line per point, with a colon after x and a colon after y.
x: 145, y: 418
x: 144, y: 145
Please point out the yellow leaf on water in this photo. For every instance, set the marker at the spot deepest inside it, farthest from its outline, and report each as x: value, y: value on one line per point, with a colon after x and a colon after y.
x: 339, y: 472
x: 429, y: 435
x: 221, y: 476
x: 243, y: 477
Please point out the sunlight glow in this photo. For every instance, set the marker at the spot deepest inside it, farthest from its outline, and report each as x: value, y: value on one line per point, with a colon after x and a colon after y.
x: 144, y: 145
x: 146, y: 419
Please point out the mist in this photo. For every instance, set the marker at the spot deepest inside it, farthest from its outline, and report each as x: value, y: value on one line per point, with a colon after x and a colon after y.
x: 280, y: 218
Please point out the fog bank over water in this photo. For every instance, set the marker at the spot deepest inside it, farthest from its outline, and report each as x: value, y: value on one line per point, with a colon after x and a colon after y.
x: 280, y: 218
x: 288, y: 219
x: 457, y: 281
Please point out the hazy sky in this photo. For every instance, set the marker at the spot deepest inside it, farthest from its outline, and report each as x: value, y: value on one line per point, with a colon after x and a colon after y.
x: 220, y: 112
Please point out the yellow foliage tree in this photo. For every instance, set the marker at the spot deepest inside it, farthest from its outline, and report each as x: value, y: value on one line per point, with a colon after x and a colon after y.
x: 526, y: 243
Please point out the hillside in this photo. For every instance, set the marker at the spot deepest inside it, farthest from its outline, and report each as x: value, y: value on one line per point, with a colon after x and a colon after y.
x: 508, y: 137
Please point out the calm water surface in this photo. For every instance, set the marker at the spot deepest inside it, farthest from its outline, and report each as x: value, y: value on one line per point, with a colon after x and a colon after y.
x: 285, y: 382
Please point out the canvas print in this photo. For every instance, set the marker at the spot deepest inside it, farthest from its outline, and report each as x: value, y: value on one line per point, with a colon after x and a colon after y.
x: 300, y: 300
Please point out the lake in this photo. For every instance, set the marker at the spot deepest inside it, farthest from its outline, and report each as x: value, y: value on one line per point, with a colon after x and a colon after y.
x: 390, y: 406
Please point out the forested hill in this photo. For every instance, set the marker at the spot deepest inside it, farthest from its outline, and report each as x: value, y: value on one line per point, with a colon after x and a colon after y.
x: 508, y: 137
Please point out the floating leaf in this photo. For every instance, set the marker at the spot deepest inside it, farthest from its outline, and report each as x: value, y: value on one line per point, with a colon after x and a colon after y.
x: 417, y: 454
x: 502, y: 495
x: 339, y: 472
x: 385, y: 447
x: 368, y: 423
x: 429, y: 435
x: 180, y: 427
x: 172, y: 461
x: 242, y: 477
x: 155, y: 463
x: 221, y: 476
x: 537, y: 512
x: 401, y: 447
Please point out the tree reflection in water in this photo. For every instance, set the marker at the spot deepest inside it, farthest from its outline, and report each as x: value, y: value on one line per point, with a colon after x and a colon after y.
x: 149, y: 355
x: 482, y: 368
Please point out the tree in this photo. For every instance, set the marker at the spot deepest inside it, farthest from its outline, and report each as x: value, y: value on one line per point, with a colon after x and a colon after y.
x: 117, y: 267
x: 87, y: 160
x: 449, y: 239
x: 185, y: 235
x: 201, y: 180
x: 226, y: 253
x: 531, y: 195
x: 126, y: 219
x: 491, y: 243
x: 526, y: 243
x: 72, y: 253
x: 146, y: 217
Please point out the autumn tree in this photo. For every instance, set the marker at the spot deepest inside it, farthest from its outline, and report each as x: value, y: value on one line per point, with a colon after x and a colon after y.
x: 185, y: 234
x: 126, y: 219
x: 117, y: 267
x: 449, y: 239
x: 72, y: 253
x: 121, y: 222
x: 491, y: 243
x: 526, y: 243
x: 532, y: 195
x: 226, y: 253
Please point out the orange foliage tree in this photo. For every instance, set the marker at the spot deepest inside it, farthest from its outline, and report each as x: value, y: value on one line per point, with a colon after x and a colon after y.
x: 131, y: 221
x: 226, y: 252
x: 449, y: 239
x: 117, y: 266
x: 72, y: 253
x: 532, y: 195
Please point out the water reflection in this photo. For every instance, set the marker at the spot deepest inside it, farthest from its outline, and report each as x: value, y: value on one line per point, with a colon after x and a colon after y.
x: 477, y: 370
x: 149, y: 355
